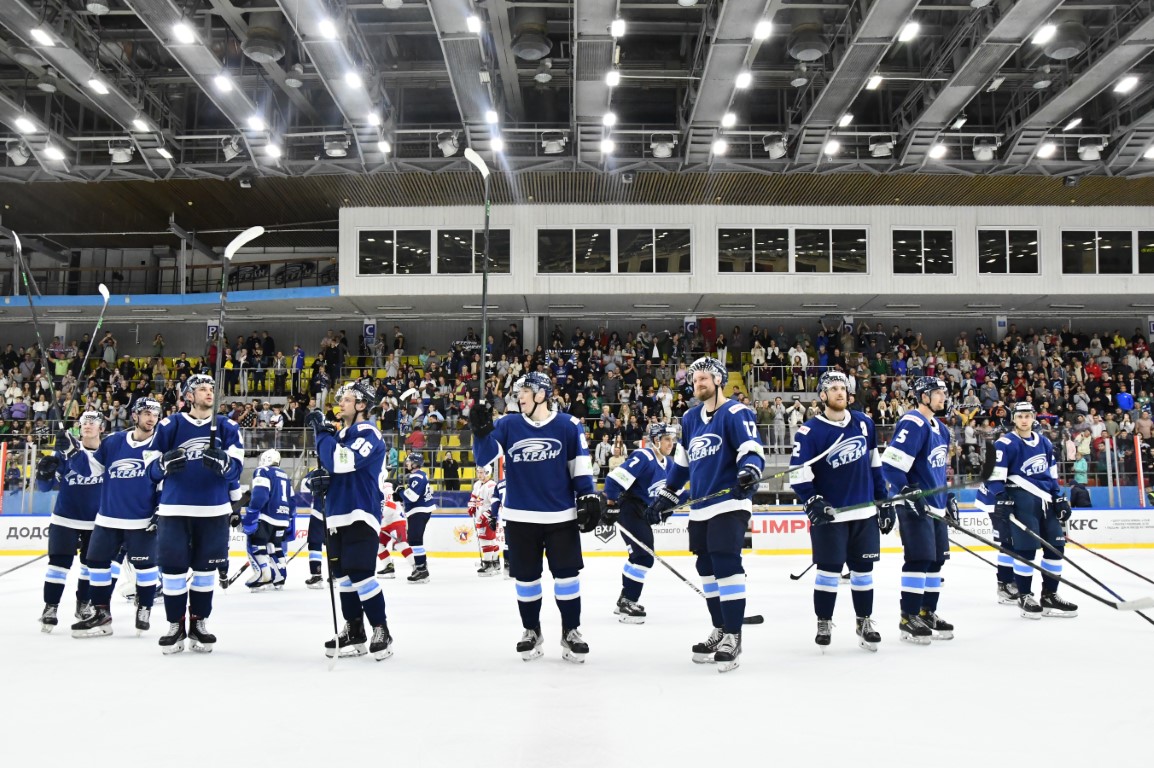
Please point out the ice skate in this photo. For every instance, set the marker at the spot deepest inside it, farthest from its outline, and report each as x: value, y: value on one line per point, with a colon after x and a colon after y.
x: 914, y: 630
x: 143, y: 617
x: 1028, y: 607
x: 868, y: 636
x: 48, y: 620
x: 173, y: 640
x: 505, y: 568
x: 703, y: 652
x: 573, y: 647
x: 198, y: 635
x: 388, y: 572
x: 1007, y: 593
x: 824, y: 633
x: 96, y: 624
x: 350, y: 642
x: 420, y: 575
x: 728, y: 654
x: 259, y: 579
x: 629, y: 611
x: 489, y: 568
x: 381, y: 645
x: 83, y: 610
x: 1052, y: 605
x: 530, y: 645
x: 315, y: 582
x: 943, y: 630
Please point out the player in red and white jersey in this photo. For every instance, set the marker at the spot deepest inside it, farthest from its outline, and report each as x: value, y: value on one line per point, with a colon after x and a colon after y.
x: 485, y: 522
x: 394, y: 533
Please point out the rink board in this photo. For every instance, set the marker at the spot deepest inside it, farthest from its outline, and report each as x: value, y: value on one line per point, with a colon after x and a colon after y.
x: 771, y: 533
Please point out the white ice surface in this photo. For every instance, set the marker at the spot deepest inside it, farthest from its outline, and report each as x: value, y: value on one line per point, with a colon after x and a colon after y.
x: 1006, y: 691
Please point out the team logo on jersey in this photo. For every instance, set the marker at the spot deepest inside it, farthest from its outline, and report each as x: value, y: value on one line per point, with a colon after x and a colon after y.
x: 535, y: 449
x: 847, y: 452
x: 75, y: 479
x: 1035, y: 465
x: 195, y: 447
x: 463, y: 534
x: 605, y: 533
x: 656, y: 488
x: 126, y: 469
x: 704, y: 446
x: 939, y: 457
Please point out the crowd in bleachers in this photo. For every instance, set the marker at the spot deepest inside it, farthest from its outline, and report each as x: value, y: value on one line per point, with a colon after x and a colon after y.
x: 1090, y: 390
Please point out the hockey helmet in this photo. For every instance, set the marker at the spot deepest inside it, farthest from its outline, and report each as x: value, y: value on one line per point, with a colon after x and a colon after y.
x: 270, y: 458
x: 147, y: 404
x: 414, y: 460
x: 91, y: 417
x: 361, y: 390
x: 711, y: 365
x: 486, y: 470
x: 535, y: 381
x: 831, y: 378
x: 197, y: 380
x: 1023, y: 406
x: 924, y: 385
x: 658, y: 430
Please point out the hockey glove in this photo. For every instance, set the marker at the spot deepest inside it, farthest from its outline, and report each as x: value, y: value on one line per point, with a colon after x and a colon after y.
x: 151, y: 527
x: 290, y: 533
x: 747, y: 479
x: 250, y: 521
x: 818, y: 510
x: 589, y: 509
x: 952, y: 509
x: 215, y: 459
x: 1003, y: 508
x: 234, y: 519
x: 493, y: 519
x: 316, y: 420
x: 1062, y: 509
x: 612, y: 512
x: 319, y: 485
x: 46, y: 469
x: 67, y: 443
x: 915, y: 506
x: 173, y: 461
x: 481, y: 419
x: 662, y: 507
x: 887, y: 517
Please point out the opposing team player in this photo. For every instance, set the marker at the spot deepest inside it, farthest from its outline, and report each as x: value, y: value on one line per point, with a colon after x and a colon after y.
x: 73, y: 517
x: 836, y: 464
x: 916, y: 460
x: 394, y: 532
x: 724, y: 455
x: 311, y: 495
x: 417, y: 497
x: 271, y: 508
x: 484, y: 521
x: 549, y: 501
x: 630, y: 488
x: 354, y: 457
x: 1007, y: 589
x: 125, y: 520
x: 198, y: 464
x: 1025, y: 487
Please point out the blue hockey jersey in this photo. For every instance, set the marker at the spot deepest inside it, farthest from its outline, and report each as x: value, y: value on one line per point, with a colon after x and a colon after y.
x: 128, y: 497
x: 197, y: 491
x: 1027, y: 463
x: 272, y: 496
x: 547, y: 466
x: 638, y: 480
x: 919, y: 456
x: 850, y: 471
x: 354, y: 457
x: 79, y: 497
x: 418, y: 494
x: 304, y: 497
x: 716, y: 447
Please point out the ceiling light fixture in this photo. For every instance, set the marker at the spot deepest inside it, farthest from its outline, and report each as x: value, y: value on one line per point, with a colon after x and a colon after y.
x: 97, y: 7
x: 183, y: 33
x: 337, y: 146
x: 24, y: 125
x: 845, y: 120
x: 353, y: 79
x: 327, y: 29
x: 728, y: 120
x: 231, y: 147
x: 984, y: 148
x: 447, y: 142
x: 959, y: 121
x: 607, y: 146
x: 294, y: 78
x: 1090, y: 148
x: 53, y: 152
x: 609, y: 119
x: 774, y: 144
x: 256, y: 123
x: 874, y: 82
x: 938, y: 151
x: 223, y: 83
x: 1047, y: 150
x: 612, y: 78
x: 662, y: 144
x: 274, y: 151
x: 1044, y: 34
x: 1126, y: 84
x: 384, y: 147
x: 720, y: 146
x: 373, y: 118
x: 491, y: 116
x: 98, y: 86
x: 1074, y: 123
x: 763, y: 29
x: 1149, y: 153
x: 743, y: 79
x: 18, y: 154
x: 473, y: 24
x: 881, y: 146
x: 909, y: 31
x: 832, y: 147
x: 164, y: 153
x: 617, y: 27
x: 553, y: 142
x: 497, y: 144
x: 141, y: 125
x: 42, y: 36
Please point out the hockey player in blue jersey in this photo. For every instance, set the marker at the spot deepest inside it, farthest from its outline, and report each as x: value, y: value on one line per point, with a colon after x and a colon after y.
x: 354, y: 456
x: 549, y: 500
x: 311, y: 496
x: 197, y: 465
x: 127, y: 506
x: 724, y: 454
x: 1025, y: 487
x: 266, y: 520
x: 836, y: 464
x: 916, y: 460
x: 1007, y: 589
x: 630, y: 489
x: 418, y: 500
x: 73, y: 518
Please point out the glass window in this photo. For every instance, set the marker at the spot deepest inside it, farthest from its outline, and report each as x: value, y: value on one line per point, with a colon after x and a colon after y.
x: 771, y: 250
x: 499, y: 251
x: 555, y: 251
x: 375, y: 252
x: 849, y: 250
x: 735, y: 250
x: 938, y: 251
x: 414, y: 252
x: 1115, y: 252
x: 992, y: 251
x: 1078, y: 252
x: 454, y: 252
x: 907, y: 252
x: 1023, y: 251
x: 634, y: 250
x: 1146, y: 253
x: 811, y: 250
x: 594, y: 250
x: 672, y: 249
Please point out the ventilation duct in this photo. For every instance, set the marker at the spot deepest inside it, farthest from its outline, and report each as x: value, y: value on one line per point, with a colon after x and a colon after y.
x: 264, y: 44
x: 529, y: 39
x: 807, y: 40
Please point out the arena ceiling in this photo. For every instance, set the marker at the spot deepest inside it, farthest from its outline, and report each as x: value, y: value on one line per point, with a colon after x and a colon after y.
x: 290, y: 109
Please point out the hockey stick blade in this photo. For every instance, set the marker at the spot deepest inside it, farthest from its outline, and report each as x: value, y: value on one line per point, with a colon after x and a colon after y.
x: 104, y: 294
x: 797, y: 576
x: 1140, y: 604
x: 241, y: 240
x: 756, y: 618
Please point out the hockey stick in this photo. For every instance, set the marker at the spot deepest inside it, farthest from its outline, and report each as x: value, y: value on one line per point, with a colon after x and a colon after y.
x: 1047, y: 546
x: 18, y: 567
x: 1125, y: 605
x: 964, y: 548
x: 230, y: 250
x: 754, y: 619
x: 87, y: 353
x: 300, y: 549
x: 482, y: 377
x: 796, y: 576
x: 987, y: 470
x: 1096, y: 553
x: 232, y: 579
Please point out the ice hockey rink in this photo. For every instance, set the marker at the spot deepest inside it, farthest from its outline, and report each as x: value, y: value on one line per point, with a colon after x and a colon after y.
x: 1006, y: 691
